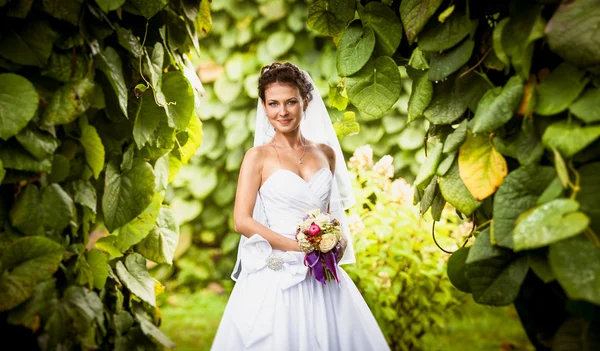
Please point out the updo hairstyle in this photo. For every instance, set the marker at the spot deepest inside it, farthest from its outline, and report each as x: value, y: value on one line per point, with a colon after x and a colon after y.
x: 286, y: 73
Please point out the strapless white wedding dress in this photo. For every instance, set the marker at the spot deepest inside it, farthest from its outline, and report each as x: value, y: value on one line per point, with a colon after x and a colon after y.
x: 279, y: 307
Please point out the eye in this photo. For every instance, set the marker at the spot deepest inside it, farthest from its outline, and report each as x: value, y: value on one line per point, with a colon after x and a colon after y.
x: 272, y: 104
x: 292, y: 102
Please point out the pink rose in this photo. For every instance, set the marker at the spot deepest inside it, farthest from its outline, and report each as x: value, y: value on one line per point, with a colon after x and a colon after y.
x: 314, y: 229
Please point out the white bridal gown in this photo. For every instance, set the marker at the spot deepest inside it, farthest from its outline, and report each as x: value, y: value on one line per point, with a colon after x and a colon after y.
x: 279, y: 307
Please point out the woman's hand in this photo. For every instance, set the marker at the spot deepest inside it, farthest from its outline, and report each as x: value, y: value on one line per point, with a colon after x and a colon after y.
x: 342, y: 248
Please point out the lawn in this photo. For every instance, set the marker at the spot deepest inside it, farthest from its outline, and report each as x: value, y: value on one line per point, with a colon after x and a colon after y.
x: 191, y: 321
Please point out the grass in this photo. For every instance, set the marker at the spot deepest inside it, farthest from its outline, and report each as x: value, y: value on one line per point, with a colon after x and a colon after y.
x: 191, y: 321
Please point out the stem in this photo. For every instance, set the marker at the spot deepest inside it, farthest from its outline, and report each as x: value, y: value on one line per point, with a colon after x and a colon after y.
x: 590, y: 234
x: 477, y: 64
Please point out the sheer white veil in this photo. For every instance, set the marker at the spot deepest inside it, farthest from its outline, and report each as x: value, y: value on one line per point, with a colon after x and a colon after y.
x: 316, y: 127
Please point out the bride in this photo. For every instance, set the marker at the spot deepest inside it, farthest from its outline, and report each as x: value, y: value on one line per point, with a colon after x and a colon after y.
x: 296, y: 165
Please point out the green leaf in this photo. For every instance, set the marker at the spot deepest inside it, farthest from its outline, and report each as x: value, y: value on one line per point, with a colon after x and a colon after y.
x: 18, y: 104
x: 67, y: 10
x: 569, y: 138
x: 517, y: 194
x: 69, y: 102
x: 39, y: 306
x: 561, y: 169
x: 279, y: 43
x: 26, y: 262
x: 415, y: 14
x: 110, y: 64
x: 497, y: 281
x: 385, y: 24
x: 540, y: 266
x: 497, y: 41
x: 57, y: 207
x: 431, y: 163
x: 481, y: 168
x: 483, y: 249
x: 179, y: 90
x: 552, y: 191
x: 456, y: 269
x: 471, y: 88
x: 355, y: 49
x: 447, y: 104
x: 348, y: 125
x: 107, y: 244
x: 438, y: 37
x: 136, y: 278
x: 15, y: 157
x: 455, y: 140
x: 85, y: 194
x: 109, y: 5
x: 445, y: 63
x: 25, y: 213
x: 204, y: 20
x: 136, y: 230
x: 65, y: 67
x: 551, y: 222
x: 571, y: 32
x: 161, y: 171
x: 524, y: 27
x: 525, y: 146
x: 98, y: 262
x: 429, y: 194
x: 126, y: 195
x: 497, y: 106
x: 149, y: 8
x: 154, y: 333
x: 18, y: 9
x: 445, y: 164
x: 417, y: 60
x: 376, y: 87
x: 559, y: 90
x: 586, y: 106
x: 338, y: 97
x: 2, y: 171
x: 589, y: 194
x: 226, y: 90
x: 128, y: 40
x: 420, y: 96
x: 329, y: 17
x: 454, y: 191
x: 147, y: 118
x: 94, y: 150
x: 29, y: 44
x: 576, y: 263
x: 159, y: 246
x: 154, y: 68
x: 576, y: 334
x: 194, y: 132
x: 38, y: 143
x: 82, y: 306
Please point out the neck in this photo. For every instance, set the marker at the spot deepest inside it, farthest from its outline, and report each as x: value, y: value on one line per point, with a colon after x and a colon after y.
x: 293, y: 139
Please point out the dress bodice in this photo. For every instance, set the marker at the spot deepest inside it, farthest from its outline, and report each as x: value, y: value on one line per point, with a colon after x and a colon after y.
x: 286, y: 198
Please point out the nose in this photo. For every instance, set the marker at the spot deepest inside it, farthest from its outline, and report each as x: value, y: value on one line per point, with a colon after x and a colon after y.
x: 283, y: 110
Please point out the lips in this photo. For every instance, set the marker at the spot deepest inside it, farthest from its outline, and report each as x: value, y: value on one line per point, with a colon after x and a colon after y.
x: 284, y: 121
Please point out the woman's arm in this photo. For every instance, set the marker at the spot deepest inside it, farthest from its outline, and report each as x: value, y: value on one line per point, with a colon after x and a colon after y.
x: 249, y: 182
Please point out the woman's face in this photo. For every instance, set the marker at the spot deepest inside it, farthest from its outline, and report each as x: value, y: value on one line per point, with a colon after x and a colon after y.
x: 284, y: 106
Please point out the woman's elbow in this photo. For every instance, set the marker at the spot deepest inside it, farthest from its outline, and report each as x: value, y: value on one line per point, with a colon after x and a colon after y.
x: 238, y: 224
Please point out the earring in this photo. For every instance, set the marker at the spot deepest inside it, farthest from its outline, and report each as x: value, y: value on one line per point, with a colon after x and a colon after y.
x: 304, y: 113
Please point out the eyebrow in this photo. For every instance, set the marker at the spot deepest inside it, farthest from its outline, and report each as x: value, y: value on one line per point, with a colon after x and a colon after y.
x: 273, y: 100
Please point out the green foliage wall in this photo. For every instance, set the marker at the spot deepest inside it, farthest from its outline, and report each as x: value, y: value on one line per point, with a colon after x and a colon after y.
x: 245, y: 36
x: 511, y: 90
x: 97, y: 114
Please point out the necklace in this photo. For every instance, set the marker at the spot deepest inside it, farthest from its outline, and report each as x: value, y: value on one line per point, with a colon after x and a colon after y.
x: 299, y: 158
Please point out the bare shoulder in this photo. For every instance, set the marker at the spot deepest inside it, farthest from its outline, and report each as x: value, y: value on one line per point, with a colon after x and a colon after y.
x: 327, y: 150
x: 254, y: 157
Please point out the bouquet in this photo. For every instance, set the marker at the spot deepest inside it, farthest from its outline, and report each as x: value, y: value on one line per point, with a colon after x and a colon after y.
x: 319, y: 235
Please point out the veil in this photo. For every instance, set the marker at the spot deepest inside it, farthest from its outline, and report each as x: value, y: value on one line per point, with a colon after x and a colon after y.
x: 316, y: 127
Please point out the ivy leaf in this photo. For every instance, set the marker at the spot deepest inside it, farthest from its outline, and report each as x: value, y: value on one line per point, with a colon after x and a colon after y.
x: 385, y: 24
x: 57, y: 207
x: 64, y: 10
x: 39, y: 306
x: 136, y: 278
x: 39, y: 144
x: 154, y: 68
x: 179, y: 90
x: 69, y: 102
x: 18, y: 104
x: 109, y: 5
x: 126, y: 195
x: 524, y: 27
x: 415, y: 14
x: 571, y: 32
x: 348, y: 125
x: 569, y: 138
x: 559, y: 90
x: 447, y: 104
x: 551, y: 222
x: 27, y: 261
x: 29, y: 44
x: 497, y: 281
x: 227, y: 91
x: 454, y: 191
x: 480, y: 166
x: 589, y: 195
x: 159, y: 245
x: 456, y: 138
x: 329, y: 17
x: 417, y: 60
x: 445, y: 164
x: 456, y: 269
x: 107, y: 244
x: 338, y: 97
x: 151, y: 331
x: 497, y: 41
x: 576, y: 263
x: 13, y: 156
x: 147, y: 118
x: 420, y: 96
x: 149, y: 8
x: 98, y: 262
x: 431, y: 163
x: 471, y: 88
x: 355, y: 49
x: 62, y: 68
x: 586, y: 106
x: 94, y: 150
x: 161, y: 171
x: 84, y: 194
x: 376, y: 87
x: 194, y: 132
x: 204, y: 20
x: 279, y: 43
x: 136, y: 230
x: 128, y: 40
x: 443, y: 64
x: 497, y: 106
x: 517, y: 194
x: 110, y: 64
x: 483, y: 249
x: 553, y: 191
x: 25, y: 213
x: 525, y: 146
x: 576, y: 333
x: 438, y: 37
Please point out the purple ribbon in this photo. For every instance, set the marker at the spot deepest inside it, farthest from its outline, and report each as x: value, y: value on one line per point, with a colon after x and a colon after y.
x: 331, y: 263
x: 316, y: 262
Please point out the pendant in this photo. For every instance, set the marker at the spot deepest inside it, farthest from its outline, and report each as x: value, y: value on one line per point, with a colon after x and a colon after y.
x: 300, y: 161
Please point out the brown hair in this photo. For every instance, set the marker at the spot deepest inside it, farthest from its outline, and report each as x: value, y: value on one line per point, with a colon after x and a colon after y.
x: 287, y: 73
